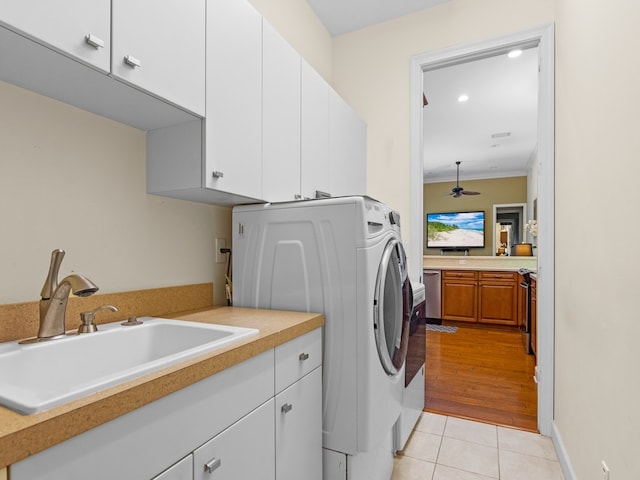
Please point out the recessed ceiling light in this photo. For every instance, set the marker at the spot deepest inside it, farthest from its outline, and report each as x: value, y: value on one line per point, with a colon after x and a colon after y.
x: 514, y: 53
x: 463, y: 98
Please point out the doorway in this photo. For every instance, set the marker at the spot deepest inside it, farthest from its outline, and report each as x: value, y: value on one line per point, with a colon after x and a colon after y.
x: 508, y: 226
x: 544, y: 38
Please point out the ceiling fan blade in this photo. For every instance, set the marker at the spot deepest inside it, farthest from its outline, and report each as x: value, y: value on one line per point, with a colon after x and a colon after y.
x: 469, y: 192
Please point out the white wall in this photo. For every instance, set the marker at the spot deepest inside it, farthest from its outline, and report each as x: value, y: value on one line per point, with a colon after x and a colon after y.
x: 74, y: 180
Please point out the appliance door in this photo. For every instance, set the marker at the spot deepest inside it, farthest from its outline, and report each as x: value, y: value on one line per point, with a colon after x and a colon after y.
x: 525, y: 315
x: 392, y: 308
x: 433, y: 290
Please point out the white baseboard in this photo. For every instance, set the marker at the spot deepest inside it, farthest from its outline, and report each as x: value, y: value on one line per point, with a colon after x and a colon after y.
x: 563, y: 456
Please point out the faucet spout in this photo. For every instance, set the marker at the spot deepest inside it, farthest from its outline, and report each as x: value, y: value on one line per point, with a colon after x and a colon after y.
x: 55, y: 296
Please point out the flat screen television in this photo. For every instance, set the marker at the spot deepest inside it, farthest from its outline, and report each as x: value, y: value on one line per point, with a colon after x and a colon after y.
x: 455, y: 230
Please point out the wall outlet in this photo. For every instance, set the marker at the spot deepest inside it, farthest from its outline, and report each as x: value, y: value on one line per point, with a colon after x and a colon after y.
x: 462, y: 262
x: 605, y: 471
x: 221, y: 243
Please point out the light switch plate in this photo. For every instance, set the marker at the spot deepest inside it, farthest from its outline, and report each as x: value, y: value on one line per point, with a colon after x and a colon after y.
x: 221, y: 243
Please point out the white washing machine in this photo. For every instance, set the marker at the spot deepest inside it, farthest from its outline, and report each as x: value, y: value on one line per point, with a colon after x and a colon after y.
x: 342, y: 257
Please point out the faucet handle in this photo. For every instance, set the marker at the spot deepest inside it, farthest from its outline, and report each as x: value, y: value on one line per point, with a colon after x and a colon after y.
x: 88, y: 318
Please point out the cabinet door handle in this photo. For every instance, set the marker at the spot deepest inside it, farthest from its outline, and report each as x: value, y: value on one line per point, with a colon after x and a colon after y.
x: 94, y: 41
x: 303, y: 357
x: 212, y: 464
x: 132, y: 61
x: 217, y: 174
x: 286, y: 408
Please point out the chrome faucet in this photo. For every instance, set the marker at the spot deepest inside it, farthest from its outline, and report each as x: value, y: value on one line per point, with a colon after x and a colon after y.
x: 55, y: 295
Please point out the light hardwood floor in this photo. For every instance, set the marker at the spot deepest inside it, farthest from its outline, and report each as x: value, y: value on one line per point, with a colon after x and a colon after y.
x: 481, y: 373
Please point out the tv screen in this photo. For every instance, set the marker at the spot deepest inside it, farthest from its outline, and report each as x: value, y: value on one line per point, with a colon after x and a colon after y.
x: 455, y: 230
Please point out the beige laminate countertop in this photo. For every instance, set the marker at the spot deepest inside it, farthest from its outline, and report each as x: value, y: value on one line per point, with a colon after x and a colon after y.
x: 25, y: 435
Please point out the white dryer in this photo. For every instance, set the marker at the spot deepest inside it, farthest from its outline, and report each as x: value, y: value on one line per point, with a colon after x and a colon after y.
x: 342, y: 257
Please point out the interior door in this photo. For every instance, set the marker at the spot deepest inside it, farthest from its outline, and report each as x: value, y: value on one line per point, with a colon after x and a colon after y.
x: 393, y: 305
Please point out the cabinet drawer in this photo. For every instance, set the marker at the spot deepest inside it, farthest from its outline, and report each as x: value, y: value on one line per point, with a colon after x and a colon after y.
x: 459, y: 274
x: 296, y: 358
x: 502, y: 276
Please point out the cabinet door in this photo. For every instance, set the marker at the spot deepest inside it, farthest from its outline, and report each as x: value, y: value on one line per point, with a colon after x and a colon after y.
x: 498, y: 298
x: 233, y: 125
x: 534, y: 316
x: 347, y: 149
x: 299, y: 429
x: 280, y: 117
x: 65, y: 25
x: 183, y: 470
x: 314, y: 148
x: 160, y: 47
x: 245, y: 450
x: 459, y: 296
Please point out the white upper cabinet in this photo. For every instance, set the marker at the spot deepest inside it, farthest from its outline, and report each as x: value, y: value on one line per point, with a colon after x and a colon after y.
x: 314, y: 157
x: 81, y: 28
x: 233, y: 127
x: 347, y: 149
x: 280, y: 118
x: 160, y: 47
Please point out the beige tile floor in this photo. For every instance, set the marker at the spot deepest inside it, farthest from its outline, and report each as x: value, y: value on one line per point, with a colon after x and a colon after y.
x: 448, y: 448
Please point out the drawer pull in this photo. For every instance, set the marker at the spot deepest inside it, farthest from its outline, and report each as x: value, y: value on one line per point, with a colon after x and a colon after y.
x: 94, y: 41
x: 286, y: 408
x: 132, y: 61
x: 212, y: 464
x: 303, y: 357
x: 217, y: 174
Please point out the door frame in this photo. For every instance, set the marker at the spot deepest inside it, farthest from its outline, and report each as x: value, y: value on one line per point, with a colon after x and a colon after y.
x: 544, y: 37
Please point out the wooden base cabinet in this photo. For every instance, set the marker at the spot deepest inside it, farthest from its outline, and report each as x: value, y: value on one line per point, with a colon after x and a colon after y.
x: 534, y: 315
x: 480, y: 296
x: 460, y: 295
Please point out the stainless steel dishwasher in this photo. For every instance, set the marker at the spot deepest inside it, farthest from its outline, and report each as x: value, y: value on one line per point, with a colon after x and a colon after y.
x: 433, y: 289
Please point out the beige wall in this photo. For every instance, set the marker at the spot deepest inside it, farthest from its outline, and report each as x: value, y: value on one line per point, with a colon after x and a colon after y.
x: 494, y: 191
x: 297, y: 22
x: 597, y: 153
x: 73, y: 180
x: 597, y: 329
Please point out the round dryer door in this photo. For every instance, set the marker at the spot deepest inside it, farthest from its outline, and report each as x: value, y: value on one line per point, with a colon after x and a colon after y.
x: 392, y: 307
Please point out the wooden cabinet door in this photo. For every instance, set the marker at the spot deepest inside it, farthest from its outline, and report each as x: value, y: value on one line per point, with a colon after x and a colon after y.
x: 498, y: 298
x: 160, y: 47
x: 299, y: 429
x: 534, y: 315
x: 65, y: 25
x: 459, y: 296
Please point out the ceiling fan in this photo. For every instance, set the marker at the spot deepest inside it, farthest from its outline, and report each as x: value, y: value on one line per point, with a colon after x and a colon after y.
x: 458, y: 191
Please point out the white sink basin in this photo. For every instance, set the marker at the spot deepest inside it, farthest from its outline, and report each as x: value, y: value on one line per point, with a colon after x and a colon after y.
x: 38, y: 376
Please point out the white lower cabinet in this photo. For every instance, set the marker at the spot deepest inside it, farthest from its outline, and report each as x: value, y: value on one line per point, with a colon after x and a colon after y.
x: 244, y: 450
x: 183, y: 470
x: 299, y: 429
x: 233, y: 425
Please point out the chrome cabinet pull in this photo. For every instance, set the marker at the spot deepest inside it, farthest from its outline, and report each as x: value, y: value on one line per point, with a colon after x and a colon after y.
x: 132, y: 61
x: 286, y: 408
x: 212, y: 464
x: 217, y: 174
x: 94, y: 41
x: 303, y: 357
